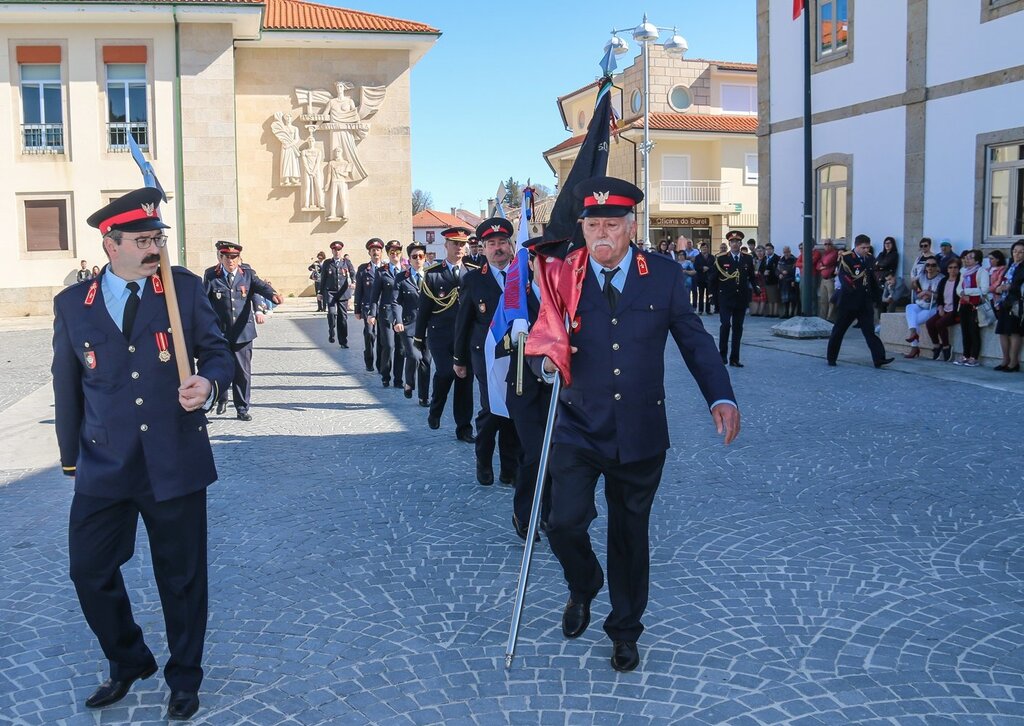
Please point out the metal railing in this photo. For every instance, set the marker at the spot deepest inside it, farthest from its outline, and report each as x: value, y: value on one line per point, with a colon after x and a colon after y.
x: 117, y: 135
x: 42, y: 138
x: 694, y: 191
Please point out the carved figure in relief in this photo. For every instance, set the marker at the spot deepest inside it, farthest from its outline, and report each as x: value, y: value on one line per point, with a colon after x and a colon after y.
x: 344, y: 119
x: 312, y: 173
x: 291, y: 142
x: 339, y: 171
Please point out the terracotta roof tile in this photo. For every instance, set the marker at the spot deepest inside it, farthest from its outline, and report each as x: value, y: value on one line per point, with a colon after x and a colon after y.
x: 719, y: 124
x: 299, y: 15
x: 434, y: 218
x: 732, y: 66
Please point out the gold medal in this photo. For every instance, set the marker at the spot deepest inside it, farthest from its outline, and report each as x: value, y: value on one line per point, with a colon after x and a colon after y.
x: 165, y: 356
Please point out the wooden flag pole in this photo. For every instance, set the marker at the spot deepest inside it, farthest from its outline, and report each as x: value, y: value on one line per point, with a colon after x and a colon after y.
x: 174, y: 315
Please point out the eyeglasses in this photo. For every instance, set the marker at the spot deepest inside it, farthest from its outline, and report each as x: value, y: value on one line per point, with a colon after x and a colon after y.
x: 923, y: 247
x: 417, y: 256
x: 931, y: 265
x: 144, y: 243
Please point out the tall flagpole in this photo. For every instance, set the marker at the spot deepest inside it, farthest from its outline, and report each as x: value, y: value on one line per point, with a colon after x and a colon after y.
x: 807, y: 273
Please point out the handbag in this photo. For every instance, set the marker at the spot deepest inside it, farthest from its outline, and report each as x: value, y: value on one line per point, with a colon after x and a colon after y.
x: 986, y: 313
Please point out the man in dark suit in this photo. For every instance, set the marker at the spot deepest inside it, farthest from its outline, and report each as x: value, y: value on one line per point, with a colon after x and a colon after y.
x: 337, y: 283
x: 365, y: 277
x: 135, y: 441
x: 230, y: 286
x: 435, y: 331
x: 731, y: 279
x: 478, y: 299
x: 382, y: 300
x: 857, y: 293
x: 406, y: 308
x: 475, y: 256
x: 611, y: 419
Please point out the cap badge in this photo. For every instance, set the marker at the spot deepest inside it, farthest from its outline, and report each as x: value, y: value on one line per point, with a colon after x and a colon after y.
x: 149, y: 209
x: 90, y: 359
x: 495, y: 227
x: 601, y: 197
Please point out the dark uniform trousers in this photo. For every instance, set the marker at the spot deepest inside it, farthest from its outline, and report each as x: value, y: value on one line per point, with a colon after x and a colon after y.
x: 855, y: 300
x: 629, y: 490
x: 390, y: 356
x: 441, y: 352
x: 417, y: 364
x: 865, y: 317
x: 492, y: 429
x: 241, y: 382
x: 731, y: 313
x: 337, y: 315
x: 530, y: 421
x: 101, y: 538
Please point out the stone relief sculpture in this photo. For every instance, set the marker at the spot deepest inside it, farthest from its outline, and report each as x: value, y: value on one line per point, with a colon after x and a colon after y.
x: 290, y: 140
x: 344, y: 124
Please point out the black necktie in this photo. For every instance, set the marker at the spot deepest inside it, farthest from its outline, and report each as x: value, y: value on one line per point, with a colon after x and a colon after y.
x: 736, y: 258
x: 455, y: 271
x: 131, y: 308
x: 609, y: 289
x: 503, y: 279
x: 231, y: 279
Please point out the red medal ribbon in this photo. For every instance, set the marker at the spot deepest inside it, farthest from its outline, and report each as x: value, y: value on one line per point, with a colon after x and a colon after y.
x: 158, y: 285
x: 90, y: 297
x: 641, y: 265
x: 161, y: 341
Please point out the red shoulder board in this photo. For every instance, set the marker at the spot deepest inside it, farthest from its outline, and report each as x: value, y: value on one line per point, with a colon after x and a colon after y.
x: 90, y: 296
x: 158, y: 284
x: 641, y: 265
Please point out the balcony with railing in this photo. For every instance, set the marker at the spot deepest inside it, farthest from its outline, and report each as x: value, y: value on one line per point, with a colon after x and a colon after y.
x: 694, y: 193
x: 117, y: 135
x: 42, y: 138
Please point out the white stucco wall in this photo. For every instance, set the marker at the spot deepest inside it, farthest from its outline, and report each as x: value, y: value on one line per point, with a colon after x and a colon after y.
x: 953, y: 124
x: 960, y: 46
x: 787, y: 187
x: 787, y: 70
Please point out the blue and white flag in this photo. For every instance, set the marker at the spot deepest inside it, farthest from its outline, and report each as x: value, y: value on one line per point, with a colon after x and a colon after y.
x: 512, y: 312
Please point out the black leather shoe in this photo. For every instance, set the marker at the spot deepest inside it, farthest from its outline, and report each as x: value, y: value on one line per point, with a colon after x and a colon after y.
x: 735, y: 364
x: 425, y: 403
x: 484, y: 474
x: 408, y: 393
x: 466, y: 436
x: 369, y: 369
x: 330, y: 338
x: 575, y: 618
x: 434, y: 423
x: 183, y: 705
x: 725, y: 361
x: 831, y: 364
x: 386, y: 384
x: 883, y: 362
x: 244, y: 416
x: 523, y: 529
x: 113, y: 691
x: 625, y: 656
x: 507, y: 477
x: 343, y: 345
x: 222, y: 406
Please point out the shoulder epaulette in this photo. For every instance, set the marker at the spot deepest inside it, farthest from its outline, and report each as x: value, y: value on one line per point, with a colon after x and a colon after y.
x: 433, y: 266
x: 471, y: 265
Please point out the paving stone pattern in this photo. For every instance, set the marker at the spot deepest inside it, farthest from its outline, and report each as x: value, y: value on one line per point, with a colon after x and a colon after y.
x: 24, y: 363
x: 857, y: 557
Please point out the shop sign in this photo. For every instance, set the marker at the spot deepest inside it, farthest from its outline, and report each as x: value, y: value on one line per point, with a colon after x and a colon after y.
x: 681, y: 221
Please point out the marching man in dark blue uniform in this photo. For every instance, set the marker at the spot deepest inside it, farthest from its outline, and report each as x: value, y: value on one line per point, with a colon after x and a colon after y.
x: 136, y: 442
x: 611, y: 416
x: 407, y: 304
x: 435, y: 331
x: 478, y: 299
x: 230, y: 286
x: 857, y: 293
x: 732, y: 282
x: 365, y: 277
x: 381, y: 315
x: 337, y: 281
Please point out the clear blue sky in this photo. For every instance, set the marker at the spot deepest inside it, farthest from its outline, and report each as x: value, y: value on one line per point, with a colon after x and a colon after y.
x: 483, y: 99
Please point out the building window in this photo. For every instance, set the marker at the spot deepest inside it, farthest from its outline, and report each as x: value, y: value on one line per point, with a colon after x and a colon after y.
x: 636, y: 101
x: 750, y: 168
x: 1004, y: 198
x: 127, y: 108
x: 833, y: 202
x: 995, y: 9
x: 42, y: 125
x: 430, y: 236
x: 46, y: 225
x: 739, y: 99
x: 679, y: 98
x: 833, y: 26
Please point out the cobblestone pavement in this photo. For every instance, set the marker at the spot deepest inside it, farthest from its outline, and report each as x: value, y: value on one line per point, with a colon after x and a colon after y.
x: 24, y: 363
x: 857, y: 557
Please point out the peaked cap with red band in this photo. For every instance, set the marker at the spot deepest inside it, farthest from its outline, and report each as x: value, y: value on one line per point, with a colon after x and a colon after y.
x: 494, y: 227
x: 337, y: 244
x: 223, y: 246
x: 457, y: 234
x: 137, y: 211
x: 375, y: 242
x: 393, y: 245
x: 606, y: 196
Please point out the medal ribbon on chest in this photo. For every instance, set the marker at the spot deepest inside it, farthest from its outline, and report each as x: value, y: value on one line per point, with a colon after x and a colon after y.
x: 162, y: 346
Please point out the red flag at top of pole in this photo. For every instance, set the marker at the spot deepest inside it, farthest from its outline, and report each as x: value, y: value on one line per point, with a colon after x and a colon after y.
x: 798, y: 5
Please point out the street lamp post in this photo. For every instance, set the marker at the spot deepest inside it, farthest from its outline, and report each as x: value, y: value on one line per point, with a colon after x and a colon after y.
x: 675, y: 47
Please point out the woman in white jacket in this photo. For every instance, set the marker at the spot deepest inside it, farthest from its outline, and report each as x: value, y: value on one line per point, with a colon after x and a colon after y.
x: 972, y: 289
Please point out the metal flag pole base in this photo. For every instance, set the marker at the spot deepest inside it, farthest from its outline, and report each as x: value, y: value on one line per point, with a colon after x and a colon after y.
x: 531, y: 531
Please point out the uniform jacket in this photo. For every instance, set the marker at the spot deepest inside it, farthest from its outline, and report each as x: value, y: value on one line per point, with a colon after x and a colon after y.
x: 114, y: 396
x: 407, y: 299
x: 769, y: 268
x: 437, y: 312
x: 365, y: 277
x: 478, y: 299
x: 338, y: 278
x: 533, y: 404
x: 731, y: 281
x: 383, y: 298
x: 233, y: 303
x: 616, y: 403
x: 858, y: 286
